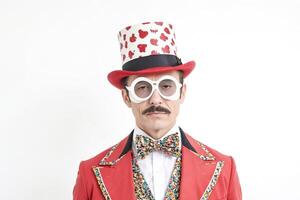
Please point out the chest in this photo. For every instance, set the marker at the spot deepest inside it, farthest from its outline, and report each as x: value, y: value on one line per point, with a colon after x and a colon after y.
x: 159, y: 180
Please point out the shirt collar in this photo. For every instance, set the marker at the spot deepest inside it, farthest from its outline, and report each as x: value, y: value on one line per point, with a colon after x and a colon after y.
x: 138, y: 131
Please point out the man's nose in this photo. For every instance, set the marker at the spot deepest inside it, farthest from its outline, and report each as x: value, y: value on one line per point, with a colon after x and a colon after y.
x: 155, y: 99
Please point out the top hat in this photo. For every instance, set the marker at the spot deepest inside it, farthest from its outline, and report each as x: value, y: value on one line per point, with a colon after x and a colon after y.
x: 148, y: 48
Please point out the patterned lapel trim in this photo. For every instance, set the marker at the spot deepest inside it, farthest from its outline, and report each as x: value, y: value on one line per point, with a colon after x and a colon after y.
x: 173, y: 188
x: 142, y: 189
x: 205, y: 157
x: 204, y: 154
x: 208, y: 156
x: 213, y: 180
x: 101, y: 183
x: 97, y: 171
x: 105, y: 162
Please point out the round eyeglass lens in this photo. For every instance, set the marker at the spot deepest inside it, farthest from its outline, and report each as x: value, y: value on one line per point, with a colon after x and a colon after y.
x: 142, y: 89
x: 167, y: 87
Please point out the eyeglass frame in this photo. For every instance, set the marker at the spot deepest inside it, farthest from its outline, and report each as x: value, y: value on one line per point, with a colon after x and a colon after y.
x: 154, y: 84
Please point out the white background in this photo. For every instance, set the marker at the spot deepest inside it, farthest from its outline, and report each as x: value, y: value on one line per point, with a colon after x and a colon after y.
x: 57, y: 107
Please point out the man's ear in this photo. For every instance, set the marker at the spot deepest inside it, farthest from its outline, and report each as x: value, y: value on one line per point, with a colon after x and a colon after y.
x: 126, y: 98
x: 183, y: 92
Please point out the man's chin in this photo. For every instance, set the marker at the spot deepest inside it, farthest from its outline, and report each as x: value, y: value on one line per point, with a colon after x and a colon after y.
x: 155, y: 124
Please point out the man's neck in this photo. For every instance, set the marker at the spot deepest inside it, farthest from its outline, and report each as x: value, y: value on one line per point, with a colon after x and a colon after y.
x: 159, y: 133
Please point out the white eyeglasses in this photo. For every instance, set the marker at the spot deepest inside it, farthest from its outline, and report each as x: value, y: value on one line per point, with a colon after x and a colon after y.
x: 142, y: 88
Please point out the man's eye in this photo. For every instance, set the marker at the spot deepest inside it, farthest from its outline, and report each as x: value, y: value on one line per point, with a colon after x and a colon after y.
x: 142, y: 87
x: 167, y: 86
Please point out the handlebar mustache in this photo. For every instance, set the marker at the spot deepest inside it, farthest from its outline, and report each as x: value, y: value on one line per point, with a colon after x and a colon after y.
x: 156, y: 108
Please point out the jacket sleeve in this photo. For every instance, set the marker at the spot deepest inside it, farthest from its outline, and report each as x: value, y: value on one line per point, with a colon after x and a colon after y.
x: 79, y: 190
x: 234, y: 188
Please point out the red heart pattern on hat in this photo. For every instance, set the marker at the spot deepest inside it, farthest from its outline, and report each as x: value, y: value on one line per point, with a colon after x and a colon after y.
x: 167, y: 30
x: 132, y: 38
x: 166, y: 49
x: 142, y: 47
x: 159, y: 23
x: 148, y: 38
x: 153, y: 52
x: 172, y: 42
x: 163, y: 37
x: 154, y: 42
x: 143, y: 34
x: 130, y: 54
x: 153, y: 31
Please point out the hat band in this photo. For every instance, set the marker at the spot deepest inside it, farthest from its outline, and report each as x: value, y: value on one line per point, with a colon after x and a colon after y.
x: 151, y: 62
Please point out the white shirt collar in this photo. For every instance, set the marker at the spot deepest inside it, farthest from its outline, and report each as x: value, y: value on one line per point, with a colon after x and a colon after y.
x: 138, y: 131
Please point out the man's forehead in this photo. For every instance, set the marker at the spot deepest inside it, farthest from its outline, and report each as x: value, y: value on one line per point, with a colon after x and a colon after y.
x: 155, y: 76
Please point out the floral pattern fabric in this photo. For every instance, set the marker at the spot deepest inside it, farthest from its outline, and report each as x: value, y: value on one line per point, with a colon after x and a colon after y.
x: 142, y: 189
x: 168, y: 145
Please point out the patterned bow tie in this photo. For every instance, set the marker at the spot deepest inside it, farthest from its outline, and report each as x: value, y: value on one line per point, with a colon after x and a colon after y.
x: 169, y: 145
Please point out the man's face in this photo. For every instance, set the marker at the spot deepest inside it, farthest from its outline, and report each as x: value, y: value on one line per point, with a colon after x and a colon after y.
x: 163, y: 114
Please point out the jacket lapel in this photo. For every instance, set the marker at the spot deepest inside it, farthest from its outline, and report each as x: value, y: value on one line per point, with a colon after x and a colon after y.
x: 114, y: 173
x: 200, y: 170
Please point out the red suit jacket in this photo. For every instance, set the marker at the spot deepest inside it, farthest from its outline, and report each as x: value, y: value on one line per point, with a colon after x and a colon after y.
x: 205, y: 174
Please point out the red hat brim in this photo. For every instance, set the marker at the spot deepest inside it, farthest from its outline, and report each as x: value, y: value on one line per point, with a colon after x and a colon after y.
x: 116, y: 76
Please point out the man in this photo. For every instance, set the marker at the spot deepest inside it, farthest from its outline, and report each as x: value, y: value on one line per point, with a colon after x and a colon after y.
x: 157, y: 160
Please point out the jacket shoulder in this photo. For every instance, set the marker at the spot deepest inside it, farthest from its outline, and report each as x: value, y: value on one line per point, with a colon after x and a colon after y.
x: 203, y: 148
x: 94, y: 161
x: 229, y: 176
x: 110, y: 153
x: 86, y: 181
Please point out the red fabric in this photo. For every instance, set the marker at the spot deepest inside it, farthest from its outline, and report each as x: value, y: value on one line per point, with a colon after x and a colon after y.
x: 196, y: 174
x: 116, y: 76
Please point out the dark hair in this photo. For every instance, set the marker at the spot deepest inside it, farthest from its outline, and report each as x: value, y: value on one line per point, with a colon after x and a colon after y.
x: 124, y: 82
